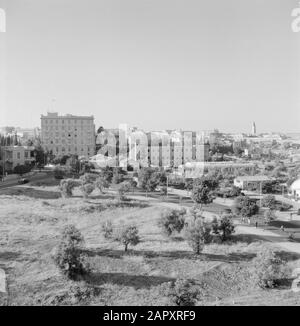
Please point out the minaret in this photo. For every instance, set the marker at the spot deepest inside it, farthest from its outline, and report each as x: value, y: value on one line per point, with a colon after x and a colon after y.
x: 253, y: 128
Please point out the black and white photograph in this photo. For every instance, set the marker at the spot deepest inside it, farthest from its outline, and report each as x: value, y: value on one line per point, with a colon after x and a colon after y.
x: 149, y: 155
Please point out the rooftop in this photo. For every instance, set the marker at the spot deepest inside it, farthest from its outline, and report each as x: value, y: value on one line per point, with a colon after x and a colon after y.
x: 254, y: 178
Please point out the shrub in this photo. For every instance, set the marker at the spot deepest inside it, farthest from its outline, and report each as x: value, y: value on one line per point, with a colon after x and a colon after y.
x: 235, y: 191
x: 128, y: 235
x: 118, y: 176
x: 88, y: 178
x: 101, y: 183
x: 67, y: 185
x: 245, y: 207
x: 123, y: 188
x: 269, y: 201
x: 163, y: 190
x: 172, y: 220
x: 223, y: 226
x: 68, y: 256
x: 87, y: 189
x: 267, y: 269
x: 182, y: 293
x: 107, y: 230
x: 149, y: 178
x: 73, y: 295
x: 268, y: 216
x: 202, y: 194
x: 198, y: 234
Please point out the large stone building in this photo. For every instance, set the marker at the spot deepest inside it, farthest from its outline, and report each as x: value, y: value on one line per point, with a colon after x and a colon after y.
x: 169, y: 148
x: 11, y: 156
x: 68, y: 134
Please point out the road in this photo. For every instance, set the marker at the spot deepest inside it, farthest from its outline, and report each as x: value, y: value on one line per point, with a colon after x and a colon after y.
x: 39, y: 176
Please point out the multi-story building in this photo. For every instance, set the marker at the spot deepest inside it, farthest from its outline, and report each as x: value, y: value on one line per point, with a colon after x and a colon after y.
x: 68, y: 134
x: 11, y: 156
x: 165, y: 148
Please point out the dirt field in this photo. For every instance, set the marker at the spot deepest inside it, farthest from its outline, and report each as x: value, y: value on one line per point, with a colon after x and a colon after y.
x: 31, y: 219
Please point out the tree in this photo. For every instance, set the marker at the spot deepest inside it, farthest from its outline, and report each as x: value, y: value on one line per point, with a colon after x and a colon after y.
x: 235, y: 191
x: 68, y: 256
x: 149, y: 179
x: 107, y: 229
x: 124, y: 187
x: 64, y: 159
x: 245, y: 207
x: 198, y: 233
x: 107, y: 174
x: 268, y: 216
x: 202, y: 195
x: 128, y: 235
x: 67, y: 185
x: 182, y: 293
x: 88, y: 178
x: 269, y: 201
x: 101, y: 183
x: 163, y: 190
x: 100, y: 129
x: 267, y: 269
x: 223, y: 226
x: 118, y: 176
x: 22, y: 169
x: 172, y: 220
x: 87, y: 189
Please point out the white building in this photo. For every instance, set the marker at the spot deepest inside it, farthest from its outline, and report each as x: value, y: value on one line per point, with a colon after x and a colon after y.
x: 68, y: 134
x: 243, y: 182
x: 295, y: 189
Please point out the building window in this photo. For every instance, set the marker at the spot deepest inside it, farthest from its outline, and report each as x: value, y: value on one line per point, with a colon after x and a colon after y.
x: 18, y: 155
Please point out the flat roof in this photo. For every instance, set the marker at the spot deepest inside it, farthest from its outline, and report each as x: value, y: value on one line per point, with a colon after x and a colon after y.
x: 254, y: 178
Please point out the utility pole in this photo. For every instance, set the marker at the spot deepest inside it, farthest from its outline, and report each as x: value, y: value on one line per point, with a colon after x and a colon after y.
x: 3, y: 165
x: 260, y: 194
x: 167, y: 185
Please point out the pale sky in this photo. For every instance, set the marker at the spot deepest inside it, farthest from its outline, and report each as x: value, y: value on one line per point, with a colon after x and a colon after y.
x: 155, y: 64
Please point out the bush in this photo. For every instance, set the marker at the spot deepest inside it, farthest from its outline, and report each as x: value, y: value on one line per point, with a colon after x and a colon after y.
x: 181, y: 293
x: 67, y: 185
x: 268, y: 216
x: 107, y: 230
x: 269, y: 201
x: 172, y: 220
x: 87, y: 189
x: 101, y: 183
x: 245, y: 207
x: 74, y: 294
x: 163, y: 190
x: 128, y: 235
x: 267, y: 269
x: 202, y: 194
x: 68, y: 256
x: 223, y: 226
x: 88, y: 178
x: 198, y: 234
x: 123, y: 189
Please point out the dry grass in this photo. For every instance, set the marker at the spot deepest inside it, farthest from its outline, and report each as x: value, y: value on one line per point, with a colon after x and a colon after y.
x: 30, y: 227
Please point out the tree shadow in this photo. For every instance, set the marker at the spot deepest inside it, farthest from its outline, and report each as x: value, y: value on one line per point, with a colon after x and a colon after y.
x: 31, y: 192
x: 136, y: 281
x: 287, y: 255
x: 9, y: 255
x: 174, y: 254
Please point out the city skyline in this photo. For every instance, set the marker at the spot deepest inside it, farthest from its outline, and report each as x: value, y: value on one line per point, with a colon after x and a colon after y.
x: 156, y: 65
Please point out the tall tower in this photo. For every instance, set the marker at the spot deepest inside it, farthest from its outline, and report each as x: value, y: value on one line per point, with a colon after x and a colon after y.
x: 253, y: 128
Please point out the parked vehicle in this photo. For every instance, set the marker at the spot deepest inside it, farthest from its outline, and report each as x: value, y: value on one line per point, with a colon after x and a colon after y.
x: 23, y: 181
